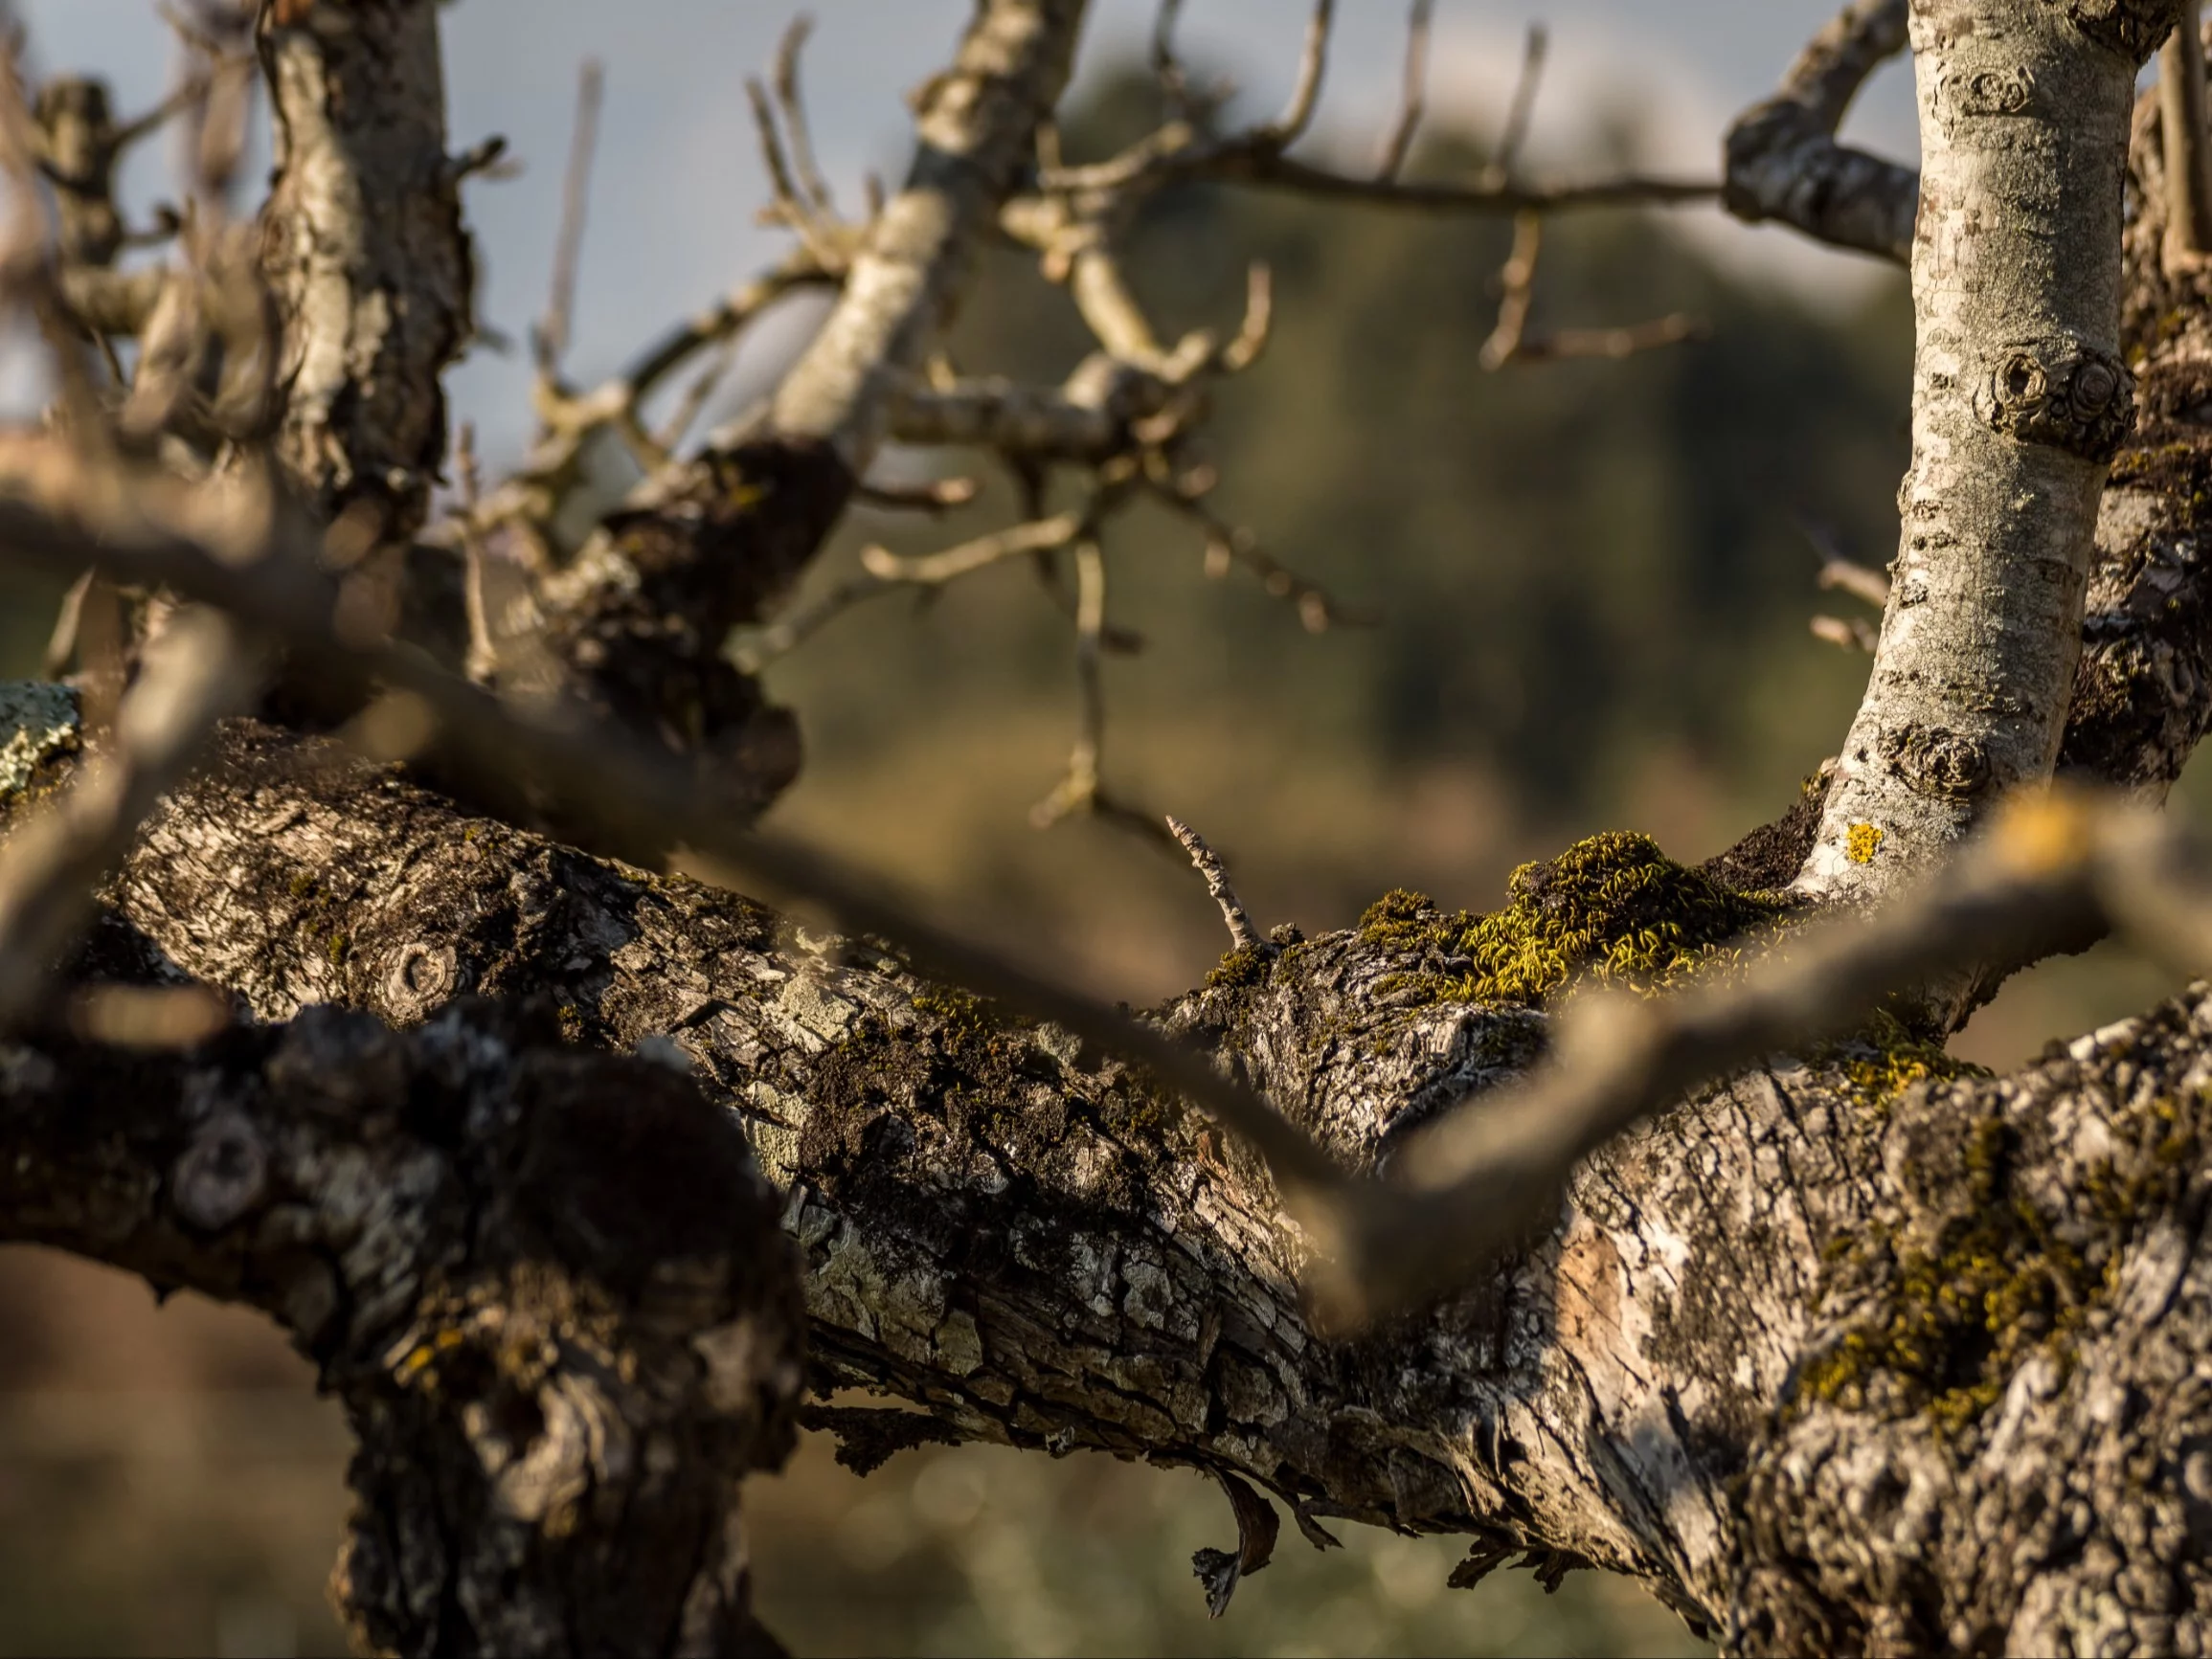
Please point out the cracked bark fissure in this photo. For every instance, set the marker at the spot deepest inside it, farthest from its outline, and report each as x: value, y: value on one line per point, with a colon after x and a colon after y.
x: 638, y: 618
x: 2020, y: 399
x: 1744, y: 1364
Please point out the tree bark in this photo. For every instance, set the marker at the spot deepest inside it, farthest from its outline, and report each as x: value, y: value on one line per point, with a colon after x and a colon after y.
x: 547, y: 1286
x: 1774, y: 1355
x: 2020, y: 399
x: 365, y: 255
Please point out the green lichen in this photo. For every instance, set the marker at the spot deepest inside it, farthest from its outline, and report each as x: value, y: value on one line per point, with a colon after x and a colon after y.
x: 1958, y: 1315
x: 1612, y: 905
x: 1952, y: 1305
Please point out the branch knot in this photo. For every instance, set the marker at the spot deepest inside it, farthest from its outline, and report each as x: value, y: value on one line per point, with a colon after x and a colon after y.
x: 2061, y: 392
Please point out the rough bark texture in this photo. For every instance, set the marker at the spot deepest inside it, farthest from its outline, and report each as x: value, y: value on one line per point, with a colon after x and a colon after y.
x: 1783, y: 1355
x: 365, y: 254
x: 2020, y: 399
x: 2142, y: 693
x: 546, y: 1283
x: 638, y: 618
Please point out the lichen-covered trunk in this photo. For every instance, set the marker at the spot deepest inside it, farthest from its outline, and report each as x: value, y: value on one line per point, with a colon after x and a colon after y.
x: 1809, y: 1356
x: 2020, y: 400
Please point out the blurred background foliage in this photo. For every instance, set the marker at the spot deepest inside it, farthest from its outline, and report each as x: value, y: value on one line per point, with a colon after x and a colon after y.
x: 1593, y: 582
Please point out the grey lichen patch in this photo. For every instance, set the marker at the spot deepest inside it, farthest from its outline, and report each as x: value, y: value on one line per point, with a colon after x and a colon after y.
x: 39, y: 725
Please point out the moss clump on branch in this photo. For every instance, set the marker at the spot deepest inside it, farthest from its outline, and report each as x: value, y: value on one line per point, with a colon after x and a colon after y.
x: 1885, y: 1058
x: 1614, y: 906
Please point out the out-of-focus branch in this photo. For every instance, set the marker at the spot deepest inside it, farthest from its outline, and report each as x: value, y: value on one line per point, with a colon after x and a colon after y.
x: 196, y: 671
x: 882, y: 572
x: 2187, y: 146
x: 1412, y: 99
x: 1511, y: 342
x: 1782, y: 158
x: 364, y: 252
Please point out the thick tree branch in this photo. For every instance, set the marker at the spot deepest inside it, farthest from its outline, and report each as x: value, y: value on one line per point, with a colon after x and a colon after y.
x: 2020, y: 399
x: 547, y: 1286
x: 638, y: 618
x: 364, y: 251
x: 1781, y: 158
x: 1029, y: 1241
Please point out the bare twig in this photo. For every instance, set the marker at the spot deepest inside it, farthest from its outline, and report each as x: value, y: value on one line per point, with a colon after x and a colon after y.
x: 1207, y: 864
x: 1306, y: 92
x: 794, y: 108
x: 1851, y: 632
x: 1413, y: 97
x: 1856, y: 579
x: 550, y: 339
x: 881, y: 572
x: 194, y: 672
x: 1510, y: 341
x: 1520, y: 111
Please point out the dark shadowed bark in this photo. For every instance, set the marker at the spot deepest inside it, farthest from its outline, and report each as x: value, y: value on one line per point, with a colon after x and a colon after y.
x: 547, y: 1286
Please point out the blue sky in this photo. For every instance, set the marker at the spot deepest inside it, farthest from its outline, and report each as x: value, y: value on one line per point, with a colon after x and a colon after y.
x: 678, y: 177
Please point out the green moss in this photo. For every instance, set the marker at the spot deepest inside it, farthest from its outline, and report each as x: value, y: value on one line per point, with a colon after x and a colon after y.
x: 1612, y: 905
x: 962, y: 1013
x: 1885, y: 1058
x: 1246, y: 965
x: 1960, y: 1314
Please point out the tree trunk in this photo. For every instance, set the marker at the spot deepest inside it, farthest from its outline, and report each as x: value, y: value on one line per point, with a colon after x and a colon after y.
x: 2019, y: 399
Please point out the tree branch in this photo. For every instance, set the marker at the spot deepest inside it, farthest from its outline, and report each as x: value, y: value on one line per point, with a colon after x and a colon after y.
x: 547, y: 1286
x: 1782, y: 158
x: 365, y: 254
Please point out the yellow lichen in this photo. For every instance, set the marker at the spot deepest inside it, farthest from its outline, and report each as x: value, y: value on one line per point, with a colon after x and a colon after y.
x: 1861, y: 842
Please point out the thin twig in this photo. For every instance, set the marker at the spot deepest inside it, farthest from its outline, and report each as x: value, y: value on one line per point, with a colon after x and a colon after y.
x: 1522, y: 110
x: 1413, y: 97
x: 551, y: 338
x: 882, y: 571
x: 1207, y: 864
x: 794, y: 108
